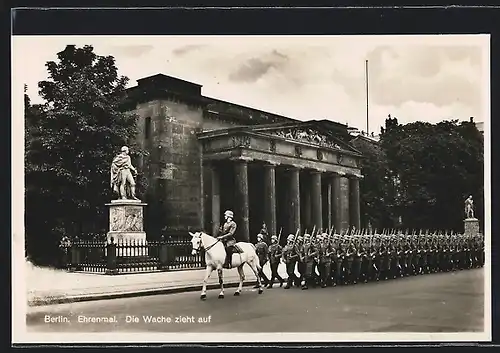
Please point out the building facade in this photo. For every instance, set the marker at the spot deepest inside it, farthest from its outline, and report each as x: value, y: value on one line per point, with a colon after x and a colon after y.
x: 207, y: 155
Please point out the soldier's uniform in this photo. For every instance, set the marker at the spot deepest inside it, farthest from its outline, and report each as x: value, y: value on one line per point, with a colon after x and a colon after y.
x: 299, y: 245
x: 262, y: 251
x: 338, y: 263
x: 289, y: 257
x: 227, y: 231
x: 325, y: 259
x: 275, y: 252
x: 357, y: 259
x: 308, y: 253
x: 348, y: 260
x: 371, y: 266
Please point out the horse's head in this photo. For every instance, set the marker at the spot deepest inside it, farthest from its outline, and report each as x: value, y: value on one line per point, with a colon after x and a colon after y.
x: 195, y: 242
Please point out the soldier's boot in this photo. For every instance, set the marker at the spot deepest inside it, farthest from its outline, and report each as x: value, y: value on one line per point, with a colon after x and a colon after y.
x: 227, y: 262
x: 289, y: 282
x: 303, y: 284
x: 271, y: 283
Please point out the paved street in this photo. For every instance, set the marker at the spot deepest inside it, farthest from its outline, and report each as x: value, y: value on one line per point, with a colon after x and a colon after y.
x: 444, y: 302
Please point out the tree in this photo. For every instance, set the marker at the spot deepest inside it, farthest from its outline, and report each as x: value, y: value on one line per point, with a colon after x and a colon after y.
x: 434, y: 168
x: 374, y: 187
x: 72, y: 141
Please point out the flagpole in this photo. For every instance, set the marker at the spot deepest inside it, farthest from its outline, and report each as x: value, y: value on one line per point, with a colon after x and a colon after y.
x: 366, y: 75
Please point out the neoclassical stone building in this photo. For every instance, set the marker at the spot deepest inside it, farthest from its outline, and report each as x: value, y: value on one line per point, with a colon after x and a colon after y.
x: 207, y: 155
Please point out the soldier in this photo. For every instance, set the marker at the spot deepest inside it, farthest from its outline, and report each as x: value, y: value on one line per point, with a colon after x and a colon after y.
x: 357, y: 259
x: 316, y: 241
x: 309, y: 252
x: 262, y: 251
x: 337, y: 259
x: 264, y: 232
x: 383, y: 255
x: 227, y: 237
x: 371, y: 267
x: 365, y: 262
x: 299, y: 245
x: 290, y: 259
x: 325, y: 259
x: 348, y: 260
x: 275, y: 252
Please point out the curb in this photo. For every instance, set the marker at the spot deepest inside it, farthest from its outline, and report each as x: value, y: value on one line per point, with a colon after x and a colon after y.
x: 130, y: 294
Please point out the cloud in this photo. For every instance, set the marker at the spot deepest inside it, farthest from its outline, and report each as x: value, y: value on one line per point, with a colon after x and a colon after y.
x: 307, y: 78
x: 254, y: 68
x: 131, y: 51
x: 186, y: 49
x: 425, y: 74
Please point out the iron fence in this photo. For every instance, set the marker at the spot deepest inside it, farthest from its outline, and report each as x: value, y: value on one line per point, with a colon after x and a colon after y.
x: 167, y: 254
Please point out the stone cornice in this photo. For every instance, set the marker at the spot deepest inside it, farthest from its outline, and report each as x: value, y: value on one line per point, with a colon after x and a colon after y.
x: 243, y: 130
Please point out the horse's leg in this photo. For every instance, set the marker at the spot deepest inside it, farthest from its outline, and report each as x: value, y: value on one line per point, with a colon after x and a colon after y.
x: 208, y: 272
x: 242, y: 278
x: 221, y: 282
x: 256, y: 268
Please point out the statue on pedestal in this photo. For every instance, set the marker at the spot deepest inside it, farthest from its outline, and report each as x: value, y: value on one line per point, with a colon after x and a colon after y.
x: 469, y: 207
x: 121, y: 175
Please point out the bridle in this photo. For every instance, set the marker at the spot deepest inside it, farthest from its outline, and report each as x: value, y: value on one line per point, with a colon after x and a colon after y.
x: 207, y: 248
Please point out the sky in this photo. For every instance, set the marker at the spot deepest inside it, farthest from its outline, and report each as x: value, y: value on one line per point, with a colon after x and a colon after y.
x: 413, y: 78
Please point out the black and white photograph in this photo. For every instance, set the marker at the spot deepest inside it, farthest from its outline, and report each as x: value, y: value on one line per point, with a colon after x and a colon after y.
x: 251, y: 188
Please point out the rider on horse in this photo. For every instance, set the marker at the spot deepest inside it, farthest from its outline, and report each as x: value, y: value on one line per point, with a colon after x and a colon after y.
x: 227, y: 237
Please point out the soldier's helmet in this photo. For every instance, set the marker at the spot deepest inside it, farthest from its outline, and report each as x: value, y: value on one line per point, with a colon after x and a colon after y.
x: 324, y: 235
x: 307, y: 236
x: 229, y: 213
x: 274, y: 237
x: 300, y: 238
x: 290, y: 237
x: 260, y: 236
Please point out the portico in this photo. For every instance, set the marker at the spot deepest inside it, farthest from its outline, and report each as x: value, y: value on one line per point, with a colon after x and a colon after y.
x: 288, y: 176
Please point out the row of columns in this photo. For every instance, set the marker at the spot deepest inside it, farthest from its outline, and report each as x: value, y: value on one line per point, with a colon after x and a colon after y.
x: 333, y: 194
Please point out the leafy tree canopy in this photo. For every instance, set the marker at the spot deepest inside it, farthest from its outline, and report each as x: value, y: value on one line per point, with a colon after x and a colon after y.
x: 71, y: 140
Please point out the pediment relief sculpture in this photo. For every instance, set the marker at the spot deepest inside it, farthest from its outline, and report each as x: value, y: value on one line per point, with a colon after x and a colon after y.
x: 307, y: 135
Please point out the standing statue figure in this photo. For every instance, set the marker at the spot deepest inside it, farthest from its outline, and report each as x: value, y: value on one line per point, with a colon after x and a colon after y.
x: 469, y: 207
x: 121, y: 174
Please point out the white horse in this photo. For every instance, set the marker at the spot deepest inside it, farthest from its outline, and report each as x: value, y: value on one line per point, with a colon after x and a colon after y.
x: 215, y: 256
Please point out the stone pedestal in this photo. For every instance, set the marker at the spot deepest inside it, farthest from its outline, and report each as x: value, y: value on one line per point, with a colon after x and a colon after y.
x: 126, y: 225
x: 471, y: 226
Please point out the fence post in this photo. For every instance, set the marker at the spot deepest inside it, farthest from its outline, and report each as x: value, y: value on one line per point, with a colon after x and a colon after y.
x: 163, y: 254
x: 75, y: 256
x: 111, y: 258
x: 171, y: 248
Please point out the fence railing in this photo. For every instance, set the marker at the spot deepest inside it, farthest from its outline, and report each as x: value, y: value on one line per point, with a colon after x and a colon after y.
x: 121, y: 257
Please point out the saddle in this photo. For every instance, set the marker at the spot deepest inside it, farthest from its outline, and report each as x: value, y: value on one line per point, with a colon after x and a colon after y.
x: 237, y: 249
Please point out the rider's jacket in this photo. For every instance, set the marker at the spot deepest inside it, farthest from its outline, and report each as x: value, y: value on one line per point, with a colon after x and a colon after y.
x: 227, y: 233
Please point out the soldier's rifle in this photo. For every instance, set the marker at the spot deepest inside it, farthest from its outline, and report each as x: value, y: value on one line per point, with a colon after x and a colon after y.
x: 279, y: 235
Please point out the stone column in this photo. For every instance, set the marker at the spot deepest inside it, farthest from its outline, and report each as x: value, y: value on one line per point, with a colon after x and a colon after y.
x: 215, y: 198
x: 270, y: 197
x: 316, y: 203
x: 294, y: 199
x: 241, y: 213
x: 305, y: 201
x: 328, y: 203
x: 336, y: 212
x: 354, y: 207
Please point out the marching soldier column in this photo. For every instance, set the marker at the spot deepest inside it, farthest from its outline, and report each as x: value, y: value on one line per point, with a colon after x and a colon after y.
x: 331, y: 259
x: 327, y: 258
